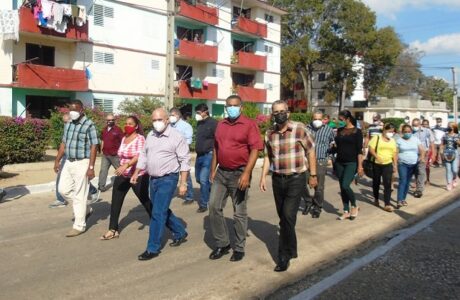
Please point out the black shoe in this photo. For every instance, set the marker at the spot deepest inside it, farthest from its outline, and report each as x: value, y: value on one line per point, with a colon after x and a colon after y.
x: 237, y: 256
x: 283, y: 265
x: 188, y: 202
x: 307, y: 209
x: 147, y: 255
x: 315, y: 214
x: 202, y: 209
x: 219, y: 252
x: 178, y: 242
x: 418, y: 194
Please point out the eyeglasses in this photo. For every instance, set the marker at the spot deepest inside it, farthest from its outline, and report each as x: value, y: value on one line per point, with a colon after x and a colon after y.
x: 275, y: 113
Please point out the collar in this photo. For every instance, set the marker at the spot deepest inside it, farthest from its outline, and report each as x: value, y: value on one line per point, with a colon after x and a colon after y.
x: 81, y: 121
x: 240, y: 120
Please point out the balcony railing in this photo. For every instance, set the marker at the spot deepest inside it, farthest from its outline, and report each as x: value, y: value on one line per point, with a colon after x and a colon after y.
x: 197, y: 11
x: 250, y: 61
x: 27, y: 23
x: 197, y: 51
x: 49, y: 78
x: 208, y: 91
x: 250, y: 26
x: 251, y: 94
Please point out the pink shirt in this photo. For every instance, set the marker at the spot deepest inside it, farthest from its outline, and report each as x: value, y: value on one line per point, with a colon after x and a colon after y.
x: 126, y: 152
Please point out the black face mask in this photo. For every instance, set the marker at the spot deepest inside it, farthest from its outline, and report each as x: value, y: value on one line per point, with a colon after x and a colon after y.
x: 280, y: 118
x: 110, y: 123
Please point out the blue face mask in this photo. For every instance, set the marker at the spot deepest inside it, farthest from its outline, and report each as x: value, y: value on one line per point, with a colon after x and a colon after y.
x: 233, y: 112
x: 407, y: 136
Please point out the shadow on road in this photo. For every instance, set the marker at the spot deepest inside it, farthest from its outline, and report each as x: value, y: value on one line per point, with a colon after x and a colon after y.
x: 266, y: 233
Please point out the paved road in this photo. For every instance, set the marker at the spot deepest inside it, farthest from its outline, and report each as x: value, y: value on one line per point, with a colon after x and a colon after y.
x: 38, y: 262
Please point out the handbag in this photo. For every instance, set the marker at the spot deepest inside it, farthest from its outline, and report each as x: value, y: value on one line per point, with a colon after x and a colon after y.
x: 368, y: 163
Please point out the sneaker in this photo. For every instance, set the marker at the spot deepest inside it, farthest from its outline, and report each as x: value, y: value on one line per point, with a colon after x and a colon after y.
x: 418, y: 194
x: 201, y: 209
x: 187, y: 202
x: 449, y: 187
x: 94, y: 198
x: 58, y: 204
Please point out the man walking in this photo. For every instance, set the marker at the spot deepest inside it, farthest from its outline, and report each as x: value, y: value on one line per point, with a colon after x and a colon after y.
x: 176, y: 121
x: 79, y: 144
x: 323, y: 136
x: 237, y: 146
x: 166, y: 158
x: 425, y: 136
x: 204, y: 144
x: 438, y: 132
x: 288, y: 147
x: 111, y: 137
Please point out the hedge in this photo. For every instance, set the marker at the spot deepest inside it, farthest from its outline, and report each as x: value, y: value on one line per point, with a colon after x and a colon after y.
x: 23, y: 140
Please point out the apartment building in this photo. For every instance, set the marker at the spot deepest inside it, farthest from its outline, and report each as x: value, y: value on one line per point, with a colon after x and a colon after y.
x: 119, y: 52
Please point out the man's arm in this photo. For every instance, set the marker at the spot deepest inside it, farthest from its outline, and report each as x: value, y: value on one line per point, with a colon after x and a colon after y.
x: 212, y: 174
x: 313, y: 180
x: 265, y: 170
x: 92, y: 161
x: 244, y: 180
x: 60, y: 154
x: 183, y: 156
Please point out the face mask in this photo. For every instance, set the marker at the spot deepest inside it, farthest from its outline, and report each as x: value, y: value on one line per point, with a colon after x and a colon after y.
x: 129, y: 129
x: 416, y: 129
x: 159, y: 126
x: 376, y: 122
x: 317, y: 123
x: 407, y: 136
x: 173, y: 119
x: 342, y: 124
x: 280, y: 118
x: 198, y: 117
x: 110, y: 123
x: 74, y: 115
x: 233, y: 112
x: 406, y: 121
x: 389, y: 135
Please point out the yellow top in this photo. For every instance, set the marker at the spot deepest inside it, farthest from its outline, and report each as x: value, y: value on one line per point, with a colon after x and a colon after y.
x: 386, y: 150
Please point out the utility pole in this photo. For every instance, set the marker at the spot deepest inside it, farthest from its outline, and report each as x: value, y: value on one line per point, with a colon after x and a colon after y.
x: 455, y: 101
x: 169, y: 82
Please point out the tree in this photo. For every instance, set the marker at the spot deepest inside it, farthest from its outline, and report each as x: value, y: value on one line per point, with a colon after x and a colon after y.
x: 143, y: 105
x: 436, y: 89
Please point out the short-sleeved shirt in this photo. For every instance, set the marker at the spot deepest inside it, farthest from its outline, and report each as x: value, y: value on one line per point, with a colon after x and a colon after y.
x: 234, y: 140
x: 127, y: 152
x: 439, y: 132
x: 425, y: 136
x: 408, y: 150
x: 374, y: 129
x: 185, y: 129
x: 450, y: 141
x: 112, y: 138
x: 386, y: 150
x: 323, y: 137
x: 78, y: 138
x: 287, y: 151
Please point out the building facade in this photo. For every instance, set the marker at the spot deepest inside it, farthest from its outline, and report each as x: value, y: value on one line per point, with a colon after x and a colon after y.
x: 117, y: 51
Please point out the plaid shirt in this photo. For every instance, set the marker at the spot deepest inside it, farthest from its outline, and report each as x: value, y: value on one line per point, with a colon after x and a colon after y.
x: 79, y: 137
x: 287, y: 151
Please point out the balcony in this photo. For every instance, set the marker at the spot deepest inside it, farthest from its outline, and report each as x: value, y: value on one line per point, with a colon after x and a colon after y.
x: 49, y: 78
x: 198, y: 12
x: 250, y: 61
x: 27, y: 24
x: 197, y: 51
x: 251, y: 94
x: 246, y: 25
x: 208, y: 92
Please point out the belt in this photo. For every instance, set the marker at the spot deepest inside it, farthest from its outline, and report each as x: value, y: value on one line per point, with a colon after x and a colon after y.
x: 75, y: 159
x: 287, y: 175
x: 231, y: 170
x: 166, y: 175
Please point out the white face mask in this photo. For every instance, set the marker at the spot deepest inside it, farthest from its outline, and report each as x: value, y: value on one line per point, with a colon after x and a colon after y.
x: 159, y: 126
x: 198, y: 117
x: 74, y: 115
x: 317, y: 123
x: 173, y: 119
x: 389, y: 135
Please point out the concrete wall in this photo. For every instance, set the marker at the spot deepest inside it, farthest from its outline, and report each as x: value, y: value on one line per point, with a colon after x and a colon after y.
x: 6, y: 60
x: 6, y: 104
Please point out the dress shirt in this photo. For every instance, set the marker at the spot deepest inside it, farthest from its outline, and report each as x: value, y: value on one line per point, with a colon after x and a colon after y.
x: 185, y: 129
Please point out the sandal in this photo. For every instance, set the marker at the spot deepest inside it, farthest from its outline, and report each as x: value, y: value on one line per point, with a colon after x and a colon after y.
x: 111, y: 234
x: 344, y: 216
x: 388, y: 208
x: 354, y: 213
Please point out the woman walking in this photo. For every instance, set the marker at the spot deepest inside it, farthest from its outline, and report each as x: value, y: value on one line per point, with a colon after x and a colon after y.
x: 449, y: 154
x: 349, y: 143
x: 384, y: 151
x: 410, y: 153
x: 131, y: 145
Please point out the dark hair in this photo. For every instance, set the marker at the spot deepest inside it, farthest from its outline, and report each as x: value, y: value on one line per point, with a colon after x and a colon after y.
x: 347, y: 115
x: 234, y: 97
x: 389, y: 126
x: 202, y: 107
x: 406, y: 126
x: 176, y: 110
x: 136, y: 120
x: 76, y: 102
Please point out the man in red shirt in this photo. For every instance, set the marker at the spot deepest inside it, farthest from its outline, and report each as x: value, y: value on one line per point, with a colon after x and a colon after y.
x: 236, y: 148
x: 111, y: 137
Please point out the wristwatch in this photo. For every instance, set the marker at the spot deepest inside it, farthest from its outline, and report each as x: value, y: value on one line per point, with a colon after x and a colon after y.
x: 91, y: 167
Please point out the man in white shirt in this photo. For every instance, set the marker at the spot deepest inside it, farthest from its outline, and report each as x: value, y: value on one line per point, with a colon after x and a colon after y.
x: 439, y: 133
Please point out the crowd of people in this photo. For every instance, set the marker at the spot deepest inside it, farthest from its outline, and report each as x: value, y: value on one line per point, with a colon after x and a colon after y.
x: 157, y: 164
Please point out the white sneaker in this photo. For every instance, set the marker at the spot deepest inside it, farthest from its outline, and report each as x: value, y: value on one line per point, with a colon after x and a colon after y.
x: 58, y: 204
x: 93, y: 198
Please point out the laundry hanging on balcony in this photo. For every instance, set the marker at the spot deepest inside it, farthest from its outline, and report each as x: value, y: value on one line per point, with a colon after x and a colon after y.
x: 9, y: 25
x: 196, y: 83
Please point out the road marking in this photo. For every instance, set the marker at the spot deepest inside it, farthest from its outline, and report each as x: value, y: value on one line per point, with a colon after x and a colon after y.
x: 402, y: 235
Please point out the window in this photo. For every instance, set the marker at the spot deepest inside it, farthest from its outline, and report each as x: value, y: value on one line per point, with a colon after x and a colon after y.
x: 40, y: 55
x: 269, y: 18
x: 105, y: 105
x: 243, y: 46
x: 101, y: 12
x: 268, y: 49
x: 155, y: 64
x: 196, y: 35
x: 104, y: 58
x: 184, y: 72
x: 218, y: 73
x: 243, y: 79
x: 237, y: 11
x: 322, y: 77
x: 321, y: 95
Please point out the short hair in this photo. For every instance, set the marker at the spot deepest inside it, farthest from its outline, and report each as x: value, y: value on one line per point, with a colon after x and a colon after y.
x: 377, y: 115
x: 415, y: 120
x: 202, y: 107
x: 234, y: 97
x: 176, y: 111
x: 318, y: 112
x: 76, y: 102
x: 278, y: 102
x: 406, y: 126
x: 426, y: 120
x: 389, y: 126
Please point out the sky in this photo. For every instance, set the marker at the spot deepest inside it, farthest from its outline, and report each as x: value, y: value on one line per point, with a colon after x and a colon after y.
x: 432, y: 26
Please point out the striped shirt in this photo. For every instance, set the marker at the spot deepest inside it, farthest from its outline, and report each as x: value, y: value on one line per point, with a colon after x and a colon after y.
x: 425, y: 136
x: 287, y: 151
x: 323, y: 136
x: 374, y: 129
x: 127, y: 152
x: 164, y: 153
x: 79, y: 137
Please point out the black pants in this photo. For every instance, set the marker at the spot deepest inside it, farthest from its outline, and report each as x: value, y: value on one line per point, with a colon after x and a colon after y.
x: 316, y: 202
x: 120, y: 188
x: 287, y: 192
x: 385, y: 172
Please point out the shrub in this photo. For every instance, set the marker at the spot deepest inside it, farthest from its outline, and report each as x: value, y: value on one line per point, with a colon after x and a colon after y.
x: 22, y: 140
x: 395, y: 121
x: 304, y: 118
x: 251, y: 110
x: 140, y: 106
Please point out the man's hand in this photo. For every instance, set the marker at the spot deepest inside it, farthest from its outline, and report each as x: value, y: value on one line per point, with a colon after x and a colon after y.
x: 90, y: 173
x: 243, y: 181
x: 182, y: 189
x: 212, y: 174
x: 263, y: 184
x: 361, y: 172
x: 57, y: 166
x: 133, y: 179
x: 312, y: 181
x: 121, y: 169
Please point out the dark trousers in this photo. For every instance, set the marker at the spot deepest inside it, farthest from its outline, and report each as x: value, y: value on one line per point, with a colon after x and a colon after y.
x: 287, y: 192
x: 346, y: 174
x: 121, y: 187
x: 384, y: 172
x: 316, y: 202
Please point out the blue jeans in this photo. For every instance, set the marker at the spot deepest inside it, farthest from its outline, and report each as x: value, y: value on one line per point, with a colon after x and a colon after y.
x: 189, y: 195
x: 202, y: 170
x: 162, y: 191
x: 451, y: 169
x: 92, y: 188
x: 405, y: 173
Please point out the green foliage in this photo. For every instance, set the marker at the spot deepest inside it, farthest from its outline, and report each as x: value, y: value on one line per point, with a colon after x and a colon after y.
x: 304, y: 118
x: 22, y: 140
x: 143, y: 105
x: 395, y: 121
x: 251, y: 110
x: 435, y: 89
